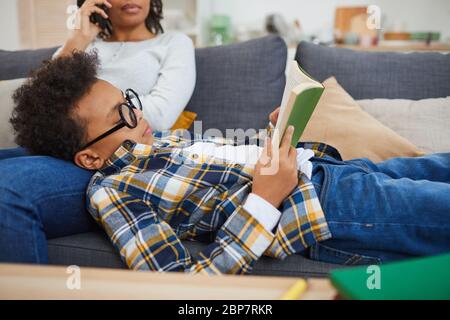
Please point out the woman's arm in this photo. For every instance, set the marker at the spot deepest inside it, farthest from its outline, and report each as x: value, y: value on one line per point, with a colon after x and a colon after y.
x: 174, y: 87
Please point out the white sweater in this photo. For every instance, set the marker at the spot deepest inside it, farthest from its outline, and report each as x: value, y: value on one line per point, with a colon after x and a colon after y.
x: 161, y: 70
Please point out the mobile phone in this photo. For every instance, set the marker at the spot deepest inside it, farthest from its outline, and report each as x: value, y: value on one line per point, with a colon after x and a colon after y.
x: 104, y: 24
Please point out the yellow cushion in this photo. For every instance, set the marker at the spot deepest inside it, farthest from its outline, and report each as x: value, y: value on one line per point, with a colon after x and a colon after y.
x: 340, y: 122
x: 185, y: 120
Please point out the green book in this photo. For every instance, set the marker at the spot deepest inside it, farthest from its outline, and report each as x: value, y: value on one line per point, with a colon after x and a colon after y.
x: 301, y: 96
x: 417, y: 279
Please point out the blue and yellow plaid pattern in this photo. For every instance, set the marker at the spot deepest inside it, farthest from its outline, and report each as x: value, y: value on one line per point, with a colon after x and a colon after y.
x: 149, y: 198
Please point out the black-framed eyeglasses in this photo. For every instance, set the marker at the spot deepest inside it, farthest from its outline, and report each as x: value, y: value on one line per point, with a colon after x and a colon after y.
x: 127, y: 116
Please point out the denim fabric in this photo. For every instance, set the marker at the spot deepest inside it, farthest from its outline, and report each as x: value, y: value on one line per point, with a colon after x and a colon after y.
x: 13, y: 153
x: 381, y: 212
x: 40, y: 198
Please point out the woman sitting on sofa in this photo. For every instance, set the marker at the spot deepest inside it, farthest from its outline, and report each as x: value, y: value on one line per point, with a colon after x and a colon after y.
x: 41, y: 197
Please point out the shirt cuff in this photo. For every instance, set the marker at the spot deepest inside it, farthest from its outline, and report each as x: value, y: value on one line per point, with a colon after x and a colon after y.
x: 303, y: 161
x: 263, y: 211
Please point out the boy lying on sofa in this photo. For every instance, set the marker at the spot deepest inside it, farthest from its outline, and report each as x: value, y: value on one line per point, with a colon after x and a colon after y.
x: 152, y: 190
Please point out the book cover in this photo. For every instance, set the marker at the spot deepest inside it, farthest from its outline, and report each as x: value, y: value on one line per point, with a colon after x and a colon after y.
x: 301, y: 96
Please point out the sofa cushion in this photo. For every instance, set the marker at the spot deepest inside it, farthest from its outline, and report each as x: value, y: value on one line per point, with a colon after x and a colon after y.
x: 369, y: 75
x: 424, y: 122
x: 339, y: 121
x: 18, y: 64
x: 240, y: 84
x: 93, y: 249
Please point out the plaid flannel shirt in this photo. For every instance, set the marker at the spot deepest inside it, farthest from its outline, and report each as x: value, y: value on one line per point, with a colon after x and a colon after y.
x: 149, y: 198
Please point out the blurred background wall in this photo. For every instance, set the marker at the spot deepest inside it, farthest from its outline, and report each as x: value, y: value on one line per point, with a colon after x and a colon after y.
x: 38, y: 23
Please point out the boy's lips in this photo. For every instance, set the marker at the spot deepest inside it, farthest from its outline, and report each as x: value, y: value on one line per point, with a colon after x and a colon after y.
x: 131, y: 8
x: 147, y: 130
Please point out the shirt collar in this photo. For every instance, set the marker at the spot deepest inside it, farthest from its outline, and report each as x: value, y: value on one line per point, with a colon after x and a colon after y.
x: 128, y: 152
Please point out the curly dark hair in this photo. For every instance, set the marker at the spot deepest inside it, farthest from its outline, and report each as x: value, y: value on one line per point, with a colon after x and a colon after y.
x: 44, y: 118
x: 153, y: 21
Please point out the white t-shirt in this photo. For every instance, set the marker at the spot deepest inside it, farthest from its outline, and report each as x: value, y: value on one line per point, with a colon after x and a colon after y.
x: 245, y: 154
x: 161, y: 70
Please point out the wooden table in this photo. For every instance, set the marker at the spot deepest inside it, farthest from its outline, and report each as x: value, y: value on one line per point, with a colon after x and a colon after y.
x: 53, y: 282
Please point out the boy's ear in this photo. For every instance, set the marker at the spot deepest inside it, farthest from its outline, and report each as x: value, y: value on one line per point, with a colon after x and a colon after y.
x: 89, y: 159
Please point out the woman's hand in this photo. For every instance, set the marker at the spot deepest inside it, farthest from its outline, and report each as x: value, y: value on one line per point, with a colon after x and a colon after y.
x: 85, y: 31
x: 273, y: 117
x: 276, y: 173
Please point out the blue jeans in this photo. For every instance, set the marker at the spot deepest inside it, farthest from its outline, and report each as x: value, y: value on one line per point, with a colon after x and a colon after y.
x: 40, y: 198
x: 381, y: 212
x: 13, y: 153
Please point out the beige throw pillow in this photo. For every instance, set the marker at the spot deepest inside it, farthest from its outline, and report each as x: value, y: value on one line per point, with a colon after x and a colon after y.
x: 426, y: 123
x: 340, y: 122
x: 7, y: 88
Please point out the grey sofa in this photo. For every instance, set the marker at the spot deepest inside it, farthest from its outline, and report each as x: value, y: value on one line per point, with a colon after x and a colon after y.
x: 237, y: 87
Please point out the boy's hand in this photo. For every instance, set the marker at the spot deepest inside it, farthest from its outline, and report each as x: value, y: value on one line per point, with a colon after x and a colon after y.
x: 276, y: 187
x: 273, y: 117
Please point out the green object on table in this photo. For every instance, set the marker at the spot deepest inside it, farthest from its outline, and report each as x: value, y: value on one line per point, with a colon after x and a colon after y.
x: 417, y: 279
x: 434, y: 36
